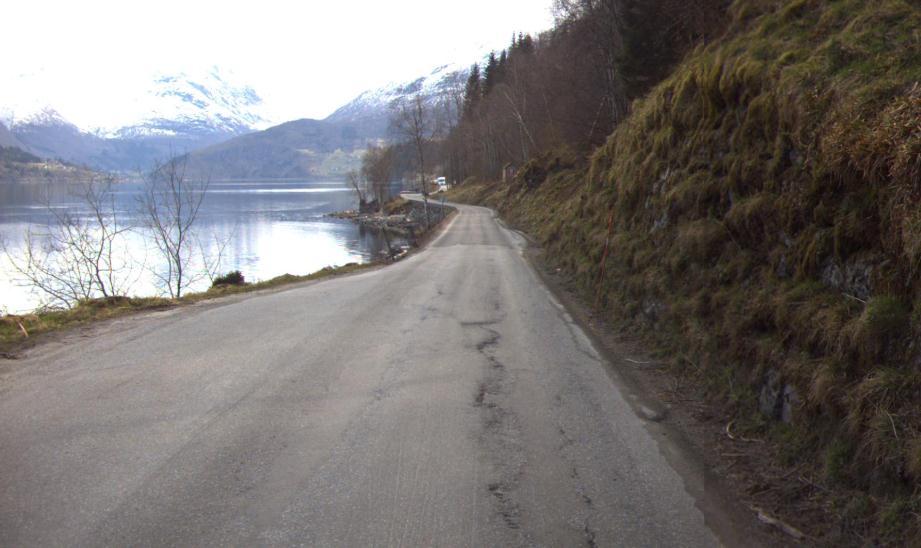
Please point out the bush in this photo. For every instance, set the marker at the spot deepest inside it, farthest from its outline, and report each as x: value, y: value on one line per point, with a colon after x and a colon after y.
x: 231, y: 278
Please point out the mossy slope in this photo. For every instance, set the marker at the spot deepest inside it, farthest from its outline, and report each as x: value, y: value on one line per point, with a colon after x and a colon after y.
x: 761, y: 212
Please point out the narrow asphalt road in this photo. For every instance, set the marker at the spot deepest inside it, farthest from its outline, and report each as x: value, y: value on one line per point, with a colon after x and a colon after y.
x: 447, y: 400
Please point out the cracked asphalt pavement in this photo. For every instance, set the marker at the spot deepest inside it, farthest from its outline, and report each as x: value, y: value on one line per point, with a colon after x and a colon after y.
x: 446, y: 400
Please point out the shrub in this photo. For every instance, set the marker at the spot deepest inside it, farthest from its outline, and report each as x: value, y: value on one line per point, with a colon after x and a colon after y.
x: 231, y: 278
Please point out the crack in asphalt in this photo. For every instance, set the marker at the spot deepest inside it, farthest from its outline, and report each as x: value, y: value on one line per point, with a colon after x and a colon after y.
x: 500, y: 434
x: 587, y: 529
x: 510, y: 512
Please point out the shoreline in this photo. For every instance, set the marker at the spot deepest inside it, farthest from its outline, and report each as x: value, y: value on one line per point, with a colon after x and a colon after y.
x: 401, y: 217
x: 20, y: 332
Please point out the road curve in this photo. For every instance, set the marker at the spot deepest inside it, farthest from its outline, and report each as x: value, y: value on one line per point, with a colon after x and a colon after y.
x: 447, y: 400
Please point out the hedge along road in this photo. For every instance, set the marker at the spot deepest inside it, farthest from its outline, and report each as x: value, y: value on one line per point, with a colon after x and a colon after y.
x: 446, y: 400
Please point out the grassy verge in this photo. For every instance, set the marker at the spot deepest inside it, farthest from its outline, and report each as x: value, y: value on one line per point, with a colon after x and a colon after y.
x: 18, y: 331
x: 758, y: 218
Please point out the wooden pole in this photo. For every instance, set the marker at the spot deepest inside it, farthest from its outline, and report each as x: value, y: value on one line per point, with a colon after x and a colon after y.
x: 604, y: 260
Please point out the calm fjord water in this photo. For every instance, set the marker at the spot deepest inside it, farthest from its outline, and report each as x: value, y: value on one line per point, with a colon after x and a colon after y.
x: 273, y: 228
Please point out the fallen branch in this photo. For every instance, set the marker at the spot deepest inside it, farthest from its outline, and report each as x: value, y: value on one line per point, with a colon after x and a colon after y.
x: 23, y: 329
x: 763, y: 517
x: 739, y: 438
x: 895, y: 432
x: 849, y: 296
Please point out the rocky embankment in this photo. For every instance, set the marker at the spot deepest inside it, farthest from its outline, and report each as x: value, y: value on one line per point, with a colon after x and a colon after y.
x: 407, y: 219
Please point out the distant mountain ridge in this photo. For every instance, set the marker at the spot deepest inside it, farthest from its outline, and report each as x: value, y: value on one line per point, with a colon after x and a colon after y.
x: 372, y: 109
x: 217, y: 124
x: 328, y: 148
x: 180, y: 112
x: 7, y: 139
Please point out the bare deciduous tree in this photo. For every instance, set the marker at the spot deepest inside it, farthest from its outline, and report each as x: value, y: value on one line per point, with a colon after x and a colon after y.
x: 413, y: 122
x: 570, y: 86
x: 79, y: 255
x: 170, y: 206
x: 602, y: 22
x: 377, y: 166
x: 359, y: 184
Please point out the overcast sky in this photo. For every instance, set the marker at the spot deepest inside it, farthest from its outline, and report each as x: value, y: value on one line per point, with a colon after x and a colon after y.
x: 305, y: 58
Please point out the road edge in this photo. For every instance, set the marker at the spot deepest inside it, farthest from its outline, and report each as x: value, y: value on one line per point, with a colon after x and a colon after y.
x: 725, y: 513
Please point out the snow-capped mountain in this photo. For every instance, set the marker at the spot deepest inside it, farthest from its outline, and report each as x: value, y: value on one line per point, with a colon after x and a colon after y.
x: 219, y: 118
x: 442, y: 88
x: 46, y: 133
x: 44, y: 116
x: 332, y: 146
x: 439, y: 84
x: 189, y: 105
x: 170, y: 114
x: 210, y: 101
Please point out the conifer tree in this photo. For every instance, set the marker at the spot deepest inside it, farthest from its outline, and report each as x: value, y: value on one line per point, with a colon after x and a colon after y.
x: 526, y: 44
x: 490, y: 73
x: 473, y: 91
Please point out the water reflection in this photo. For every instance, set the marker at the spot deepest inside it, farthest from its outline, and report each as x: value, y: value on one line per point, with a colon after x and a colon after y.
x: 271, y: 228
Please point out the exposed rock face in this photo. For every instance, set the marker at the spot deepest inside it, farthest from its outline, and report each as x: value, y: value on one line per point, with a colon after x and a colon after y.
x: 778, y: 400
x: 789, y: 402
x: 852, y: 277
x: 653, y: 309
x: 771, y: 390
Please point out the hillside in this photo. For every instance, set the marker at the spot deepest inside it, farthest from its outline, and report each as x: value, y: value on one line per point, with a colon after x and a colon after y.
x: 330, y: 147
x: 7, y: 139
x: 302, y: 148
x: 757, y: 215
x: 19, y: 166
